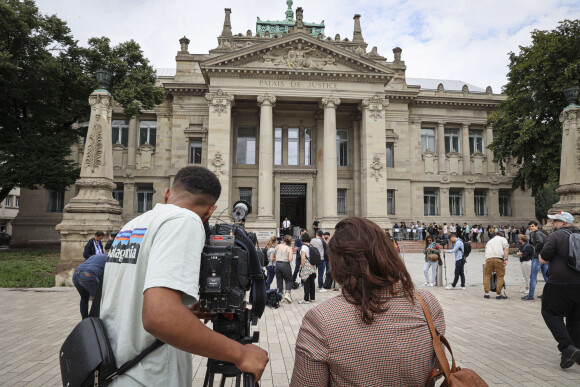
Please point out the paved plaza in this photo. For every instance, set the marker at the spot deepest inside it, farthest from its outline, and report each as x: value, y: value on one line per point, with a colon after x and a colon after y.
x: 505, y: 341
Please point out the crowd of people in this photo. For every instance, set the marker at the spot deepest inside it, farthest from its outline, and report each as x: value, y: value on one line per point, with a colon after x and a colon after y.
x: 151, y: 293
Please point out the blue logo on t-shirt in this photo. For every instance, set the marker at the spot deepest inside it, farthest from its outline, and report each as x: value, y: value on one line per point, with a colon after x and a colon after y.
x: 126, y: 246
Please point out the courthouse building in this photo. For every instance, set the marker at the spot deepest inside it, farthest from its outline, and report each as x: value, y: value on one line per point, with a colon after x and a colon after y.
x: 304, y: 125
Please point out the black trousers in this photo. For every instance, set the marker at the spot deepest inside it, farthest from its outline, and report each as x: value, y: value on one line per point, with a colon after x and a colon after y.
x: 559, y: 301
x: 297, y: 267
x: 310, y: 288
x: 459, y: 273
x: 284, y: 275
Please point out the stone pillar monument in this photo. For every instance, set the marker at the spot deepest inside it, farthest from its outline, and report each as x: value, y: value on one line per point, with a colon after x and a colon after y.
x: 266, y: 162
x: 94, y: 208
x: 569, y: 190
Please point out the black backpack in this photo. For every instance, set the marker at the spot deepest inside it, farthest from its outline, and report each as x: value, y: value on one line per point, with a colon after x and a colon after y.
x: 573, y: 250
x: 266, y: 259
x: 273, y: 298
x: 314, y: 258
x: 466, y: 249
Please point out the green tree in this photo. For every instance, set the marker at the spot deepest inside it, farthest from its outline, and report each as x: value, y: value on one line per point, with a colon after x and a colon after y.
x: 546, y: 197
x: 526, y: 125
x: 46, y: 78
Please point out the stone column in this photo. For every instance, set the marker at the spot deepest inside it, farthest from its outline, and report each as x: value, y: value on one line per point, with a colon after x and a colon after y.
x: 219, y: 144
x: 441, y: 146
x: 94, y: 208
x: 491, y: 166
x: 329, y: 178
x: 319, y: 157
x: 266, y: 161
x: 132, y: 143
x: 493, y: 203
x: 468, y: 204
x: 569, y: 190
x: 357, y: 156
x: 465, y: 149
x: 444, y: 203
x: 373, y: 160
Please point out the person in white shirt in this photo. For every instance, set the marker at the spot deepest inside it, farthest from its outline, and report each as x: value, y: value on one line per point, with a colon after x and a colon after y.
x: 496, y: 258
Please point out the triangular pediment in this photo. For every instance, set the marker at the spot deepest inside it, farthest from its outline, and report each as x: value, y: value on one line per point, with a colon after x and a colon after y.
x: 295, y: 54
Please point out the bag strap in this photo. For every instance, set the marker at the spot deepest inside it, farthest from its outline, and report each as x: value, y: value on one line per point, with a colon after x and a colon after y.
x: 125, y: 367
x: 437, y: 340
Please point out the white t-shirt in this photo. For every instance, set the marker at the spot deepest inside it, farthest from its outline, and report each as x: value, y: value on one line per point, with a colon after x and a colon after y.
x: 161, y: 248
x: 495, y: 247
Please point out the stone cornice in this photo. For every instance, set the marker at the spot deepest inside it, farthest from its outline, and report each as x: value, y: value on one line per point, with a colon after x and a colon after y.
x: 295, y: 171
x: 185, y: 89
x: 457, y: 101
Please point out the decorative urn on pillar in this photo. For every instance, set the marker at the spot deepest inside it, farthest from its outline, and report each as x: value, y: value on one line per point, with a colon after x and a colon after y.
x: 571, y: 94
x: 103, y: 78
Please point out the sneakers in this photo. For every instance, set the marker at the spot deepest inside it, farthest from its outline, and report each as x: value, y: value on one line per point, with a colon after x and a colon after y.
x: 462, y: 287
x: 569, y: 355
x: 426, y: 284
x: 303, y: 302
x: 527, y: 298
x: 501, y: 297
x: 486, y: 296
x: 287, y: 298
x: 449, y: 287
x: 322, y: 290
x: 525, y: 291
x: 431, y: 284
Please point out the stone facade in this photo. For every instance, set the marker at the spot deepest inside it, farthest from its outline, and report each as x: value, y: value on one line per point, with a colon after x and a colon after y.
x: 307, y: 126
x: 9, y: 209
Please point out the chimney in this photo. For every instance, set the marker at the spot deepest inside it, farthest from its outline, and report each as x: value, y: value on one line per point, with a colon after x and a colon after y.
x: 357, y: 34
x: 227, y: 31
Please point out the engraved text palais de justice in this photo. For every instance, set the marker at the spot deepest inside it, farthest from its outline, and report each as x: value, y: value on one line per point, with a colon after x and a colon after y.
x: 298, y: 84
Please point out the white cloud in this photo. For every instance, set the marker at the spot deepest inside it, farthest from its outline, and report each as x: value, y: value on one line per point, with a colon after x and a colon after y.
x: 447, y: 39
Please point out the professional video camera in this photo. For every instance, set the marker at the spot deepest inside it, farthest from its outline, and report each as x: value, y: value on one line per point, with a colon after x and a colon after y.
x: 230, y: 266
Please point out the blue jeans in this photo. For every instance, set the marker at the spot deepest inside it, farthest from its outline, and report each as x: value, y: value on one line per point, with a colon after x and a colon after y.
x: 536, y: 266
x: 322, y: 268
x: 87, y: 286
x: 271, y: 270
x: 459, y: 273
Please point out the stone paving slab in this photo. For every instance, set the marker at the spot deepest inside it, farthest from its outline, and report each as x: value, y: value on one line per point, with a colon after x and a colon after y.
x: 505, y: 341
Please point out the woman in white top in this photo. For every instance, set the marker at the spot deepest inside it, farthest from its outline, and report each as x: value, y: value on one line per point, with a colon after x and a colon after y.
x: 307, y: 271
x: 284, y: 256
x: 271, y: 260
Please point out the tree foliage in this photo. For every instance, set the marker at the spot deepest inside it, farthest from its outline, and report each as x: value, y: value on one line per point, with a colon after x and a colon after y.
x: 45, y: 79
x: 546, y: 197
x: 526, y: 125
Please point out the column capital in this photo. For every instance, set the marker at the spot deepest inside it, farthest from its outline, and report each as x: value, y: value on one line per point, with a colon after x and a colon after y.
x: 329, y: 102
x: 441, y: 123
x: 220, y: 101
x: 266, y: 100
x: 374, y: 105
x: 465, y: 125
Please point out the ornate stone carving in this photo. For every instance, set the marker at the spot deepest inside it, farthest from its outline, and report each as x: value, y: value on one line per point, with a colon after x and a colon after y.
x: 94, y: 154
x: 298, y: 58
x: 488, y: 90
x: 440, y: 88
x: 218, y: 163
x: 397, y: 52
x: 429, y: 162
x: 568, y: 189
x: 359, y: 50
x: 100, y: 103
x: 375, y: 106
x: 465, y: 90
x: 220, y: 101
x: 267, y: 99
x: 331, y: 102
x: 95, y: 183
x: 184, y: 44
x: 376, y: 167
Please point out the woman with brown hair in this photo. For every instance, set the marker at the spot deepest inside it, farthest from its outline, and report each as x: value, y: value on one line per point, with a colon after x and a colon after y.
x: 432, y: 257
x: 284, y: 256
x: 374, y: 333
x: 270, y: 268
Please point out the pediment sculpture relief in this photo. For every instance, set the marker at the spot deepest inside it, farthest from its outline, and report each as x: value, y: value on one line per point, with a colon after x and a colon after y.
x: 299, y: 58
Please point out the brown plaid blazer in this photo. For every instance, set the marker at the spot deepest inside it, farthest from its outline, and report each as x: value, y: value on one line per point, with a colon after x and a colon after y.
x: 336, y: 348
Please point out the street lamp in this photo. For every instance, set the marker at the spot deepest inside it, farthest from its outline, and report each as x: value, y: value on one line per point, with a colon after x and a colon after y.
x: 103, y: 78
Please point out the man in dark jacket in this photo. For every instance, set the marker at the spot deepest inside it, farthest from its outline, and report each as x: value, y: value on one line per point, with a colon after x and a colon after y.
x: 561, y: 296
x: 87, y: 278
x: 537, y: 240
x: 94, y: 245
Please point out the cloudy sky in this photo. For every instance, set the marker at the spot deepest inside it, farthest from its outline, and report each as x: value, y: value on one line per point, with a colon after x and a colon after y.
x: 444, y: 39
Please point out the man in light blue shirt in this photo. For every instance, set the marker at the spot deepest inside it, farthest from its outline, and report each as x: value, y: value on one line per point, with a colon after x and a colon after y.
x: 459, y: 262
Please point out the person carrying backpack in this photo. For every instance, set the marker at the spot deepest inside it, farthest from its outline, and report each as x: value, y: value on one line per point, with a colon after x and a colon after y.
x: 561, y: 297
x: 307, y: 270
x: 458, y: 249
x: 496, y: 259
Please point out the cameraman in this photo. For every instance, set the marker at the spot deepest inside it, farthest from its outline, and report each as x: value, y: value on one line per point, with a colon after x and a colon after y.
x: 152, y: 274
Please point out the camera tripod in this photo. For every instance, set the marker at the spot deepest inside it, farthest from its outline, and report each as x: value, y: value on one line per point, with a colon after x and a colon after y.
x: 236, y: 327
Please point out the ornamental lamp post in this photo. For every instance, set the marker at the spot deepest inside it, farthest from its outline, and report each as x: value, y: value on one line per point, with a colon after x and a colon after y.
x: 103, y: 78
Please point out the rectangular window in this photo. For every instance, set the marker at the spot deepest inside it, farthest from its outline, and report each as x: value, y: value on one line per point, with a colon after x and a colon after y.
x: 307, y: 146
x: 17, y: 201
x: 144, y: 197
x: 390, y: 155
x: 341, y: 201
x: 147, y: 132
x: 55, y: 201
x: 246, y: 146
x: 7, y: 202
x: 430, y: 202
x: 118, y: 193
x: 451, y: 140
x: 195, y: 151
x: 246, y: 194
x: 342, y: 148
x: 480, y: 202
x: 456, y: 202
x: 390, y: 202
x: 427, y: 139
x: 293, y: 146
x: 120, y: 133
x: 278, y: 146
x: 505, y: 202
x: 475, y: 141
